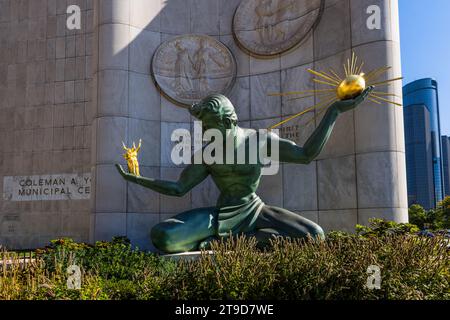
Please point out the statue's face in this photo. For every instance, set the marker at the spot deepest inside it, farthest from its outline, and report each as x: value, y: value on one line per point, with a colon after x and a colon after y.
x: 212, y: 121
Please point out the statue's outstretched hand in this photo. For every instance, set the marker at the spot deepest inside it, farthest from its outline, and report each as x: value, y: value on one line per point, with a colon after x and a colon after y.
x: 346, y: 105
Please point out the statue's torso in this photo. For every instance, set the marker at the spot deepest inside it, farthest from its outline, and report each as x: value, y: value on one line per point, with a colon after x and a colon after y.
x: 236, y: 182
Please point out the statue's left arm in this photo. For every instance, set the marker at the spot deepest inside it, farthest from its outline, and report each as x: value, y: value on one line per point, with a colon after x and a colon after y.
x: 290, y: 152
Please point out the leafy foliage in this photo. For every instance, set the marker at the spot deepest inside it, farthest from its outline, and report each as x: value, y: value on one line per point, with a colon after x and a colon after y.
x: 380, y: 228
x: 444, y: 214
x: 412, y: 267
x: 431, y: 219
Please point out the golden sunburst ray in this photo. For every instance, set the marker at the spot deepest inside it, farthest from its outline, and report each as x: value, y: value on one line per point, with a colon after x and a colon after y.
x: 373, y: 100
x: 388, y: 94
x: 322, y: 75
x: 324, y: 82
x: 303, y: 97
x: 354, y: 60
x: 301, y: 113
x: 385, y: 96
x: 321, y: 107
x: 372, y: 72
x: 376, y: 73
x: 356, y: 66
x: 358, y: 71
x: 338, y: 79
x: 351, y: 85
x: 345, y: 70
x: 320, y: 95
x: 349, y: 67
x: 385, y: 100
x: 291, y: 118
x: 336, y: 75
x: 386, y: 82
x: 320, y: 112
x: 290, y: 93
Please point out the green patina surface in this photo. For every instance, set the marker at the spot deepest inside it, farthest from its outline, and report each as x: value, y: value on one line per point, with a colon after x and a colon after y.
x: 238, y: 209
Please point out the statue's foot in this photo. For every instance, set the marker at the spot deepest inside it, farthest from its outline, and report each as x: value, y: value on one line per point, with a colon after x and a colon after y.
x: 206, y: 244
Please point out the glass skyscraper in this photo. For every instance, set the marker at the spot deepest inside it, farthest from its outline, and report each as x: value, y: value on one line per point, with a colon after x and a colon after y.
x: 446, y: 163
x: 423, y: 143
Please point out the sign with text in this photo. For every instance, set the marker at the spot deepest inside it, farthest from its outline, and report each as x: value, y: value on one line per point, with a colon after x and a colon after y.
x: 47, y: 187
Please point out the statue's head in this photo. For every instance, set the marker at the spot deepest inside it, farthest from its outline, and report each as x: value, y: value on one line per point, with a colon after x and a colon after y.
x: 216, y: 112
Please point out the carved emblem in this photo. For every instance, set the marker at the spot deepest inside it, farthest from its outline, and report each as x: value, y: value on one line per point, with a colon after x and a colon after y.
x: 190, y: 67
x: 271, y: 27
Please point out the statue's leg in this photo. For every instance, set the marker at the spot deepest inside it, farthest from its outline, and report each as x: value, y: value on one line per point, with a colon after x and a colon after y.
x: 185, y: 231
x: 275, y: 222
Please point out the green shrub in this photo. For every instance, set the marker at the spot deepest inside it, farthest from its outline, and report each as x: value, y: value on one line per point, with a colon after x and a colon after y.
x: 110, y: 260
x: 412, y: 267
x: 435, y: 219
x: 380, y: 228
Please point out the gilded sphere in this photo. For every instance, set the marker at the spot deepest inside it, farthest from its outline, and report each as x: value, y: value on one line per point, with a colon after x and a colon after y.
x: 351, y: 87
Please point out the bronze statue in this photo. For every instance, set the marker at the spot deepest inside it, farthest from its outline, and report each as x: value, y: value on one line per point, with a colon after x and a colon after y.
x: 239, y: 210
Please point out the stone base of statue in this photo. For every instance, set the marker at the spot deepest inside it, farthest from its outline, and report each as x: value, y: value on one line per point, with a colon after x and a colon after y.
x: 187, y: 256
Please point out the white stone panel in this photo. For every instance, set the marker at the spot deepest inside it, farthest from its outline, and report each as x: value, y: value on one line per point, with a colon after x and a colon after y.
x: 109, y: 225
x: 375, y: 125
x: 359, y: 15
x: 114, y: 11
x: 142, y: 47
x: 110, y: 131
x: 262, y: 105
x: 113, y: 46
x: 338, y: 220
x: 113, y: 93
x: 145, y: 100
x: 145, y: 14
x: 110, y: 190
x: 378, y: 180
x: 138, y: 229
x: 337, y: 183
x: 300, y: 187
x: 149, y: 132
x: 333, y: 34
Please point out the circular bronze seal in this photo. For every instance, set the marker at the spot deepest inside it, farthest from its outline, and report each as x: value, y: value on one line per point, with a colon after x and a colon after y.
x: 270, y: 27
x: 188, y: 68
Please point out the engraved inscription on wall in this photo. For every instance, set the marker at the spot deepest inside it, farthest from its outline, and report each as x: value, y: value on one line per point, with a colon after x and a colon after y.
x: 189, y: 67
x: 47, y: 187
x: 290, y: 132
x: 9, y: 223
x: 270, y: 27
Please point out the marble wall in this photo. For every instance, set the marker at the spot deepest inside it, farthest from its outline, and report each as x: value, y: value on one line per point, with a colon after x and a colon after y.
x: 46, y: 114
x: 360, y: 174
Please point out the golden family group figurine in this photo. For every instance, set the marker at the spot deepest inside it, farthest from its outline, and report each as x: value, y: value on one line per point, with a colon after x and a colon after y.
x: 130, y: 156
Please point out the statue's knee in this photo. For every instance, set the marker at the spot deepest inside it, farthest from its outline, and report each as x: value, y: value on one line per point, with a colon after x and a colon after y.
x: 317, y: 232
x: 162, y: 238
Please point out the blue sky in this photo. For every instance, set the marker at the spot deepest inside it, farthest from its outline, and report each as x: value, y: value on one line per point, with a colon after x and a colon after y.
x: 425, y: 46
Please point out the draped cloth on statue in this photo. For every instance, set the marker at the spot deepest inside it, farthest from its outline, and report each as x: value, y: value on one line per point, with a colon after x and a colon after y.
x: 239, y: 218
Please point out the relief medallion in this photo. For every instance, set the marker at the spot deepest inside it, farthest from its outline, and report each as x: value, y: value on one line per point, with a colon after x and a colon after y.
x: 271, y: 27
x: 187, y: 68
